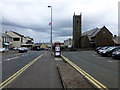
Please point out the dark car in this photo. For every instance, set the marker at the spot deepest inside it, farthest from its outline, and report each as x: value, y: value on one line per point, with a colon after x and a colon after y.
x: 108, y: 52
x: 116, y: 54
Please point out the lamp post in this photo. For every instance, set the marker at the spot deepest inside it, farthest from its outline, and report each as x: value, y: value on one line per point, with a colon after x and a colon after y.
x: 51, y: 27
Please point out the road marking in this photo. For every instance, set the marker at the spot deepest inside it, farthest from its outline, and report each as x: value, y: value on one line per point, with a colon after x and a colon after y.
x: 58, y: 59
x: 94, y: 54
x: 90, y: 78
x: 17, y: 54
x: 110, y: 61
x: 25, y: 55
x: 11, y: 78
x: 11, y: 58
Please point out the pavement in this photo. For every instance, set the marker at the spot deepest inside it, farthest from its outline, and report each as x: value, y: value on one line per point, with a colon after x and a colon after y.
x: 42, y: 74
x: 70, y: 77
x: 103, y: 69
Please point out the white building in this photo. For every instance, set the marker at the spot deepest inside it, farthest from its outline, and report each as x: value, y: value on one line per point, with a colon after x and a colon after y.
x: 27, y: 42
x: 68, y: 42
x: 19, y: 40
x: 16, y: 38
x: 5, y: 41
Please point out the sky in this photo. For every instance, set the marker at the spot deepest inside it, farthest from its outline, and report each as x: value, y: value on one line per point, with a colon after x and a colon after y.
x: 31, y: 17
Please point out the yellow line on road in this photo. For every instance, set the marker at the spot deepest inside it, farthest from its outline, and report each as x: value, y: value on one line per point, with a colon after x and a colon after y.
x: 11, y: 78
x: 90, y: 78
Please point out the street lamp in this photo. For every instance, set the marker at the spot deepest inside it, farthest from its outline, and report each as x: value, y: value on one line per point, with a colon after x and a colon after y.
x: 51, y: 26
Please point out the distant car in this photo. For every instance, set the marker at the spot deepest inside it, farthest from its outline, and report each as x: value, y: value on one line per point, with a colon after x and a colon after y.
x: 97, y: 48
x: 22, y: 49
x: 15, y: 48
x: 102, y: 49
x: 25, y: 49
x: 46, y: 49
x: 109, y: 51
x: 116, y: 54
x: 4, y: 49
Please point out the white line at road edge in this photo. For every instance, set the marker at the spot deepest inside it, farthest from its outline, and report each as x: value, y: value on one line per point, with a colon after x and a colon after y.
x: 11, y: 58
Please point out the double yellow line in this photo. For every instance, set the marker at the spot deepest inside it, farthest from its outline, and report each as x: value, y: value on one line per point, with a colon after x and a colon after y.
x: 11, y: 78
x: 90, y: 78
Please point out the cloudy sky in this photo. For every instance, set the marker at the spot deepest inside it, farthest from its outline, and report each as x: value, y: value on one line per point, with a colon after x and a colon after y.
x: 31, y: 17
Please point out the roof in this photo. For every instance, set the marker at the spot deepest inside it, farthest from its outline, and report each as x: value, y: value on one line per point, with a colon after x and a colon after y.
x: 92, y: 33
x: 116, y: 40
x: 16, y: 33
x: 4, y: 35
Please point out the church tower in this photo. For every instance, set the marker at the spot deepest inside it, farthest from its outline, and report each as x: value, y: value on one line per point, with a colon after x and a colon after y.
x: 76, y: 31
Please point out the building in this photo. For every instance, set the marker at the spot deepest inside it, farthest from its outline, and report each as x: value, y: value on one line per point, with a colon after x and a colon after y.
x: 5, y: 41
x: 19, y: 40
x: 27, y: 42
x: 96, y: 37
x: 76, y: 31
x: 68, y: 42
x: 116, y: 40
x: 16, y: 38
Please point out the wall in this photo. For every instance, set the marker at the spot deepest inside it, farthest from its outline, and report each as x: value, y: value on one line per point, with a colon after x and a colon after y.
x: 15, y: 43
x: 104, y: 38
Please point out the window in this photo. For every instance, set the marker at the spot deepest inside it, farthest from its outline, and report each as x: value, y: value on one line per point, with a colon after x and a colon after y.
x: 77, y: 21
x: 16, y: 39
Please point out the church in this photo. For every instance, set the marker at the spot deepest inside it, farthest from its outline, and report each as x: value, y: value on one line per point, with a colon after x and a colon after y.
x: 91, y: 38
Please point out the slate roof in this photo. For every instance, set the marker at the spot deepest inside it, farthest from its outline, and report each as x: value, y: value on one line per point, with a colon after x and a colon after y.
x: 4, y: 35
x: 116, y: 40
x: 92, y: 33
x: 16, y: 33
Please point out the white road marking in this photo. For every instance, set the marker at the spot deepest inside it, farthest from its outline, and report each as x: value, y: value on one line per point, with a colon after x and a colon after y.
x: 25, y: 55
x: 93, y: 54
x: 17, y: 54
x: 11, y: 58
x: 110, y: 61
x: 57, y: 59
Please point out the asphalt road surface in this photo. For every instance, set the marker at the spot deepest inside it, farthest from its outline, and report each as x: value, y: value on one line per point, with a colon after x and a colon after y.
x: 42, y: 74
x: 11, y: 63
x: 104, y: 69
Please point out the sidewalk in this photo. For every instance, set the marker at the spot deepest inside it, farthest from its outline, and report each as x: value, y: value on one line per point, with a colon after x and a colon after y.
x: 42, y: 74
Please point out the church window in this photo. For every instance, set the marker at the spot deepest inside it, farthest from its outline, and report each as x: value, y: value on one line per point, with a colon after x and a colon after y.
x: 77, y: 21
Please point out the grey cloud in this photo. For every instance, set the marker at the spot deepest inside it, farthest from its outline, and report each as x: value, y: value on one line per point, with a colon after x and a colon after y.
x: 36, y: 16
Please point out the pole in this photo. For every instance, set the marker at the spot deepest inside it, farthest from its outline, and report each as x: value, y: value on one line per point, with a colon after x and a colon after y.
x: 51, y: 28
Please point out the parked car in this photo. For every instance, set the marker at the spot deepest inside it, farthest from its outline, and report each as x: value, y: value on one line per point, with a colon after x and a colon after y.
x: 102, y: 49
x: 4, y: 49
x: 108, y: 52
x: 15, y: 48
x: 25, y: 49
x: 98, y: 48
x: 22, y: 49
x: 116, y: 54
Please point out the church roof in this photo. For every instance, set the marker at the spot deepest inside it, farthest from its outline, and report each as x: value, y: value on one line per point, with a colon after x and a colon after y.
x: 92, y: 33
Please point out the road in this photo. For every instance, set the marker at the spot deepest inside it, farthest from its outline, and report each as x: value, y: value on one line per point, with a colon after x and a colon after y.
x: 104, y: 69
x: 11, y: 63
